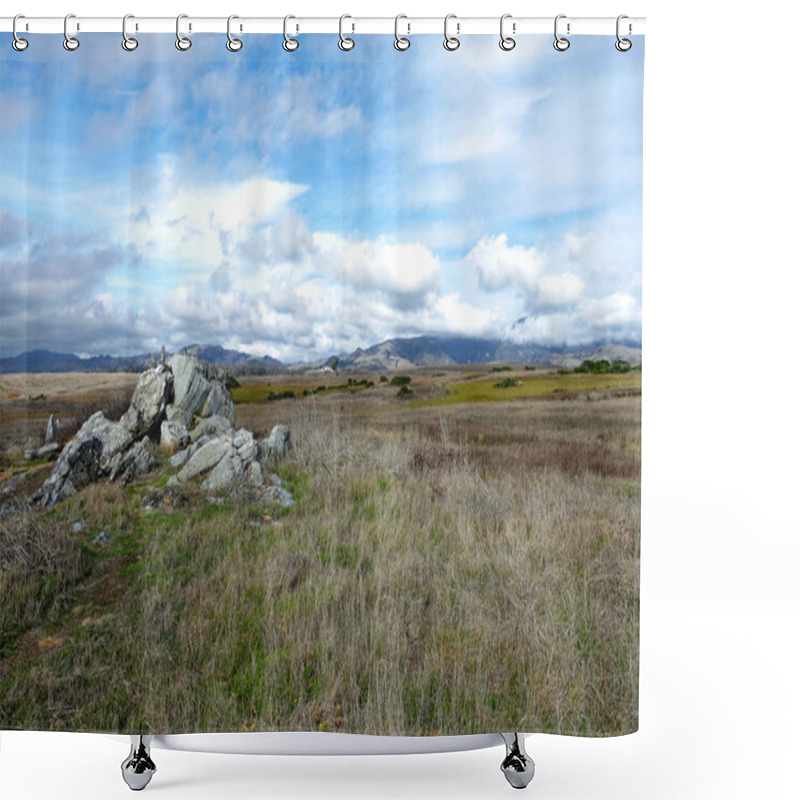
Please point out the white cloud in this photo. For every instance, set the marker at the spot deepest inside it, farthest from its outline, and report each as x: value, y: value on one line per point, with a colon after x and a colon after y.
x: 405, y: 270
x: 501, y: 265
x: 563, y: 289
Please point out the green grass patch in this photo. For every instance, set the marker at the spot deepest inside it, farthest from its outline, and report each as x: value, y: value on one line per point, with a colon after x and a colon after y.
x: 487, y: 390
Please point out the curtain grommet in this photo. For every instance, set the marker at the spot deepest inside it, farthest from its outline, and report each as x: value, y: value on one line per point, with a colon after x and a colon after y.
x: 451, y: 43
x: 70, y: 43
x: 507, y: 43
x: 561, y: 43
x: 183, y: 43
x: 17, y: 42
x: 622, y: 44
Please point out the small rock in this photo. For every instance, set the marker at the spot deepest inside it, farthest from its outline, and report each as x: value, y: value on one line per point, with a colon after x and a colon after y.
x: 255, y: 475
x: 179, y: 459
x: 216, y: 425
x: 275, y: 447
x: 174, y: 435
x: 51, y: 434
x: 101, y: 540
x: 48, y: 451
x: 276, y: 494
x: 77, y: 527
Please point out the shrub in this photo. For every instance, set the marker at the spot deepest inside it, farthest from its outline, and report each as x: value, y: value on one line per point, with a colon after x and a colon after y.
x: 384, y: 379
x: 404, y: 391
x: 530, y: 367
x: 400, y: 380
x: 508, y: 383
x: 504, y: 368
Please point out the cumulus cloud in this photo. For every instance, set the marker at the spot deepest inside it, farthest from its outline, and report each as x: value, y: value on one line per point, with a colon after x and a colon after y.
x: 500, y: 265
x: 405, y: 271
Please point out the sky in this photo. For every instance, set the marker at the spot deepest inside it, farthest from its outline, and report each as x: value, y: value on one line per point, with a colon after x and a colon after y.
x: 303, y: 204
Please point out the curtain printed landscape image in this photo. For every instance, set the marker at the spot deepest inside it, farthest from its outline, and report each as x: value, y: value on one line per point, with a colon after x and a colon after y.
x: 320, y: 386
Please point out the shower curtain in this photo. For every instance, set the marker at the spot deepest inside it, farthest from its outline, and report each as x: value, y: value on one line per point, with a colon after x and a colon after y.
x: 320, y: 385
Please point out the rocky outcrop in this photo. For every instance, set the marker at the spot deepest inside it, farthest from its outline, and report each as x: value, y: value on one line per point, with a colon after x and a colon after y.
x: 201, y: 390
x: 77, y: 466
x: 223, y: 460
x: 167, y: 401
x: 153, y: 393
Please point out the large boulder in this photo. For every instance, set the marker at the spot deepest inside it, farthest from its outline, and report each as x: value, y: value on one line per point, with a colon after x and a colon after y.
x: 114, y: 437
x: 137, y: 460
x: 228, y: 471
x: 201, y: 389
x: 153, y: 393
x: 206, y: 458
x: 77, y: 466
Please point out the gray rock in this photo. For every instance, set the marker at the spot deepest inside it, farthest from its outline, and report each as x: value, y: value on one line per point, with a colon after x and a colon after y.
x: 275, y: 447
x: 114, y: 437
x: 46, y: 451
x: 51, y: 434
x: 77, y: 466
x: 137, y: 460
x: 179, y: 459
x: 216, y: 425
x: 205, y: 458
x: 245, y: 445
x: 277, y: 494
x: 200, y: 388
x: 254, y: 473
x: 77, y: 527
x: 177, y: 414
x: 148, y: 408
x: 174, y: 435
x: 101, y: 540
x: 227, y: 472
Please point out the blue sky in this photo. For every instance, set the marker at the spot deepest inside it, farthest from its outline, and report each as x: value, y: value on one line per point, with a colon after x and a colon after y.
x: 305, y: 204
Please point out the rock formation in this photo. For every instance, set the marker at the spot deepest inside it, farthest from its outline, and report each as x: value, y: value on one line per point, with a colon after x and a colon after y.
x: 184, y: 405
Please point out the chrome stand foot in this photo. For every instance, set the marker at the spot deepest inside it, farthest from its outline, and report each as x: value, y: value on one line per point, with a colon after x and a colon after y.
x: 517, y: 766
x: 138, y: 768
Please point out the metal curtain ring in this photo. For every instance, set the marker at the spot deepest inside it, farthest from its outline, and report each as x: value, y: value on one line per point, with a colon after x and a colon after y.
x: 623, y: 45
x: 70, y: 42
x: 506, y: 42
x: 400, y: 42
x: 561, y: 43
x: 128, y: 42
x: 181, y: 42
x: 451, y: 42
x: 345, y: 43
x: 233, y: 44
x: 18, y: 43
x: 289, y: 44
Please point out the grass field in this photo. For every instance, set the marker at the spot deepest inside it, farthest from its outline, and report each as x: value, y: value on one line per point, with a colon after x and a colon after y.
x: 462, y: 561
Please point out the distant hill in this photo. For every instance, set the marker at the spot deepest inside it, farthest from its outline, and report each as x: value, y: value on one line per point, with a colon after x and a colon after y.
x: 50, y: 361
x: 393, y: 354
x: 417, y: 351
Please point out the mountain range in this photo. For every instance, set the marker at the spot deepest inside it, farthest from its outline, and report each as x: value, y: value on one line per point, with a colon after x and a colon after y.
x: 393, y: 354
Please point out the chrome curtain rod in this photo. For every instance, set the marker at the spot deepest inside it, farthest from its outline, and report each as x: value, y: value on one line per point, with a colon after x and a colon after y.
x: 460, y: 26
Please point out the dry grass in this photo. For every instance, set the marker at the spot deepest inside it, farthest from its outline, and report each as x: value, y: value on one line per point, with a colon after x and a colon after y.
x: 27, y: 401
x: 454, y: 569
